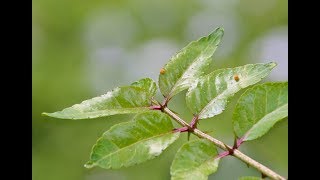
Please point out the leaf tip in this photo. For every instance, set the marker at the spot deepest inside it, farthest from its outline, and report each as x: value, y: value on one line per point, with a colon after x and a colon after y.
x: 45, y: 114
x: 272, y: 64
x: 55, y: 115
x: 89, y: 165
x: 218, y: 32
x: 50, y: 114
x: 220, y: 29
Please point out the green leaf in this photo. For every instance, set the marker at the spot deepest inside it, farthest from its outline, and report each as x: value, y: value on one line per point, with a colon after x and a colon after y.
x: 122, y: 100
x: 209, y: 96
x: 133, y: 142
x: 188, y: 64
x: 147, y: 84
x: 259, y: 108
x: 195, y: 160
x: 249, y: 178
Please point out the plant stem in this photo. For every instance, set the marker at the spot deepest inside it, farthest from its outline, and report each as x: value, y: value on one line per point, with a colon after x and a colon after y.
x: 263, y: 169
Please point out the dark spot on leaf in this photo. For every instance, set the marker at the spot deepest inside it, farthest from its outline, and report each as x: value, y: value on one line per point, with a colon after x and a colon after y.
x: 236, y: 77
x: 162, y: 71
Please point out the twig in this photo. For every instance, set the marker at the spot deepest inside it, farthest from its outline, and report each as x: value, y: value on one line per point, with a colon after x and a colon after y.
x: 263, y: 169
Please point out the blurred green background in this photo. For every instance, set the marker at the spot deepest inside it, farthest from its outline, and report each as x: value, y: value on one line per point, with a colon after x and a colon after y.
x: 82, y: 49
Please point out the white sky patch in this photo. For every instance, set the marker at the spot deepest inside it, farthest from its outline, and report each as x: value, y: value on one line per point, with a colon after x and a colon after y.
x: 205, y: 22
x: 106, y: 44
x: 103, y: 68
x: 272, y: 46
x: 148, y: 58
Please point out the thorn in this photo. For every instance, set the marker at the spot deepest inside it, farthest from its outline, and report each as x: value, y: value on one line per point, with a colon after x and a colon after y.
x: 235, y: 143
x: 229, y: 149
x: 263, y: 176
x: 189, y: 135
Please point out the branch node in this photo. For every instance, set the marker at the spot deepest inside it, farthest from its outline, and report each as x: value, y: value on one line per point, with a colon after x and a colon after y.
x: 230, y: 150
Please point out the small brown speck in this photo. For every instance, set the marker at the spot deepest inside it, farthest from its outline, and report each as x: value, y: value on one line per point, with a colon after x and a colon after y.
x: 236, y: 77
x: 162, y: 71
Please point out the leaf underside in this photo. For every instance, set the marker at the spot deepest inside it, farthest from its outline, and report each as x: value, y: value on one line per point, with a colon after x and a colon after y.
x: 259, y: 108
x: 188, y: 64
x: 195, y: 160
x: 122, y: 100
x: 209, y: 96
x: 133, y: 142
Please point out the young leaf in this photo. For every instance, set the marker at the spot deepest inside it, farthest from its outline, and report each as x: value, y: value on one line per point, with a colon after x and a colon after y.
x: 147, y: 84
x: 259, y: 108
x: 190, y: 63
x: 249, y: 178
x: 133, y: 142
x: 195, y: 160
x: 209, y: 96
x: 122, y: 100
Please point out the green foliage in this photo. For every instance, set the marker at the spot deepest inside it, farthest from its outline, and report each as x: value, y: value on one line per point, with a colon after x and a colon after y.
x: 147, y: 84
x: 195, y: 160
x: 189, y: 64
x: 209, y: 96
x: 122, y: 100
x: 259, y: 108
x: 151, y: 130
x: 133, y: 142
